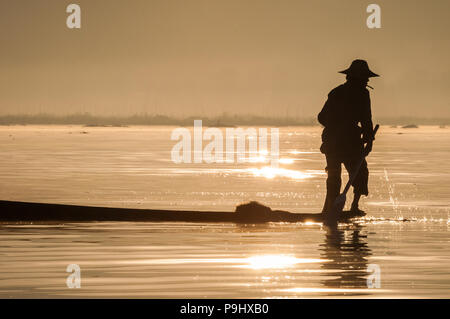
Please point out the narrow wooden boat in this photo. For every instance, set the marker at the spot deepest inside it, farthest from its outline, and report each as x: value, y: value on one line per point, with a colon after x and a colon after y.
x: 12, y: 211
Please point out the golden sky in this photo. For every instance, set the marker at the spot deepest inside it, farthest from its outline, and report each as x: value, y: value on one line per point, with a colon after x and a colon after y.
x: 204, y: 57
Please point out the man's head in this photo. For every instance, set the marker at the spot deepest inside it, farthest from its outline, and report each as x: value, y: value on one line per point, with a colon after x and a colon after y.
x: 359, y: 69
x: 362, y: 82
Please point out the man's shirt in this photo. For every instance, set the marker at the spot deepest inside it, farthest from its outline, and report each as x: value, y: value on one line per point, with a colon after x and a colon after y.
x: 347, y: 106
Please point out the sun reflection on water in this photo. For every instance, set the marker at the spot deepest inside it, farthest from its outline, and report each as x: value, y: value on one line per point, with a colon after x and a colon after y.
x: 300, y: 290
x: 271, y: 172
x: 286, y: 160
x: 257, y: 159
x: 276, y: 261
x: 262, y: 158
x: 252, y: 262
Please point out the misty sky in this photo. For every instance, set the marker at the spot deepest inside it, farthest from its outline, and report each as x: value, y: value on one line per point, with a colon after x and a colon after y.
x: 206, y: 57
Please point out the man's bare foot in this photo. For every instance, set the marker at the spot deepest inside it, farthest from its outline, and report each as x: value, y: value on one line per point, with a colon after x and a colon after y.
x: 355, y: 209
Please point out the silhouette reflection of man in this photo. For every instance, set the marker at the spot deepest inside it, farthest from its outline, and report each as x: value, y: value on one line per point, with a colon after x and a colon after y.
x: 343, y: 139
x: 347, y: 252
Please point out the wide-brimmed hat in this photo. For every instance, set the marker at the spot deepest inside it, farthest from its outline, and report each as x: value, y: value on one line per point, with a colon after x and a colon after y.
x: 359, y: 69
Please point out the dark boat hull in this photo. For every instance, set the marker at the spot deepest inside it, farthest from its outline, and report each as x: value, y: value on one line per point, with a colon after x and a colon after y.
x: 11, y: 211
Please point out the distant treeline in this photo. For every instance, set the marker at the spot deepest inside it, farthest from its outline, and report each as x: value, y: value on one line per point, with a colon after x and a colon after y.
x: 217, y: 121
x: 153, y: 119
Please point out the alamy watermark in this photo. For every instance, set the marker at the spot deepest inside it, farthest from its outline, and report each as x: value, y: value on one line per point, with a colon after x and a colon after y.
x: 73, y: 20
x: 374, y: 278
x: 74, y: 279
x: 374, y: 19
x: 230, y: 148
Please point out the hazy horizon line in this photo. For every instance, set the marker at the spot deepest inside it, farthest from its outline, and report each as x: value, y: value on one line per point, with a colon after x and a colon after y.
x: 216, y: 120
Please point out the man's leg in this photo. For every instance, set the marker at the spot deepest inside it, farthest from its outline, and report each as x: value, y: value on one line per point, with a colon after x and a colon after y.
x: 360, y: 184
x: 355, y: 203
x: 333, y: 170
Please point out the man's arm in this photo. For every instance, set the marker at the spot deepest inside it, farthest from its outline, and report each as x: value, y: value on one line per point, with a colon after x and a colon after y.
x: 325, y: 116
x: 367, y: 124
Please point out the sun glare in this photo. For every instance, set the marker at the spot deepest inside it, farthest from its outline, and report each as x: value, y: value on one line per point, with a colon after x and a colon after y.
x: 286, y: 161
x: 271, y: 172
x: 257, y: 159
x: 330, y: 290
x: 276, y: 261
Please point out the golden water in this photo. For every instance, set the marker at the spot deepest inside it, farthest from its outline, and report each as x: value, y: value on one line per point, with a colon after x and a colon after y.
x: 131, y: 167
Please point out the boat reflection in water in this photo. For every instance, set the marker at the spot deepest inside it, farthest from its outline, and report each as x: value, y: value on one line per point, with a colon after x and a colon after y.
x: 347, y: 251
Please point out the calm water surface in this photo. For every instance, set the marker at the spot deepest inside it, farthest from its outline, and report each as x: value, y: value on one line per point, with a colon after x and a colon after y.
x: 132, y: 167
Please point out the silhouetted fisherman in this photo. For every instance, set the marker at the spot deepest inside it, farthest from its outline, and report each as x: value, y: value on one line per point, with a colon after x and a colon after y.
x: 343, y: 139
